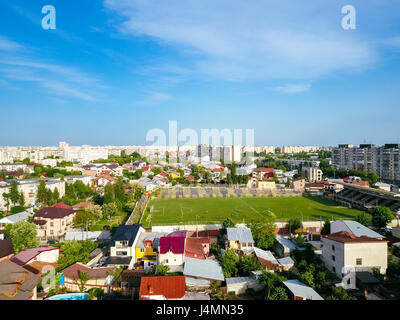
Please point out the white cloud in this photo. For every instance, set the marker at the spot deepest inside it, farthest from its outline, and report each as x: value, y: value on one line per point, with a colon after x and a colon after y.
x: 154, y: 97
x: 262, y: 40
x: 292, y: 88
x: 7, y: 45
x: 55, y: 79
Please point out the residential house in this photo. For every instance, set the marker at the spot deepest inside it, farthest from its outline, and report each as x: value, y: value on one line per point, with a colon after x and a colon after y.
x: 286, y: 263
x: 201, y: 273
x: 86, y: 205
x: 267, y: 259
x: 344, y: 252
x: 239, y: 285
x: 99, y: 277
x: 38, y: 260
x: 197, y: 248
x: 284, y: 246
x: 85, y: 179
x: 16, y: 282
x: 300, y: 291
x: 105, y: 179
x: 123, y: 245
x: 298, y: 184
x: 6, y: 249
x: 355, y: 228
x: 22, y: 216
x: 146, y: 249
x: 162, y: 288
x: 240, y: 239
x: 52, y: 223
x: 171, y: 252
x: 211, y: 234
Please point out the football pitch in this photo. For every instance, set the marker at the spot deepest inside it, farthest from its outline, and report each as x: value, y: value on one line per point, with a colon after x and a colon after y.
x: 214, y: 210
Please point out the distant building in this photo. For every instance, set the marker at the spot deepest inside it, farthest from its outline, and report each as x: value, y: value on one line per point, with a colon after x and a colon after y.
x: 240, y: 239
x: 313, y: 174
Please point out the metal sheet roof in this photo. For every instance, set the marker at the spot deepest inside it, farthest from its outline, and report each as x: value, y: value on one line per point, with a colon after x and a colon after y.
x: 240, y: 234
x: 208, y: 269
x: 299, y: 289
x: 355, y: 228
x: 266, y: 255
x: 238, y: 280
x: 16, y: 217
x: 285, y: 242
x: 286, y: 260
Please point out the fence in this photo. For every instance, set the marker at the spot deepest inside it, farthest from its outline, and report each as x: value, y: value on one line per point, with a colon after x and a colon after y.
x: 137, y: 212
x: 224, y: 191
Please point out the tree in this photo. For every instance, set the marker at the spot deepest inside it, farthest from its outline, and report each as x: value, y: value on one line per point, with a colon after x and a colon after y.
x: 339, y: 293
x: 42, y: 196
x: 307, y: 278
x: 109, y: 210
x: 24, y: 236
x: 247, y: 264
x: 14, y: 193
x: 83, y: 218
x: 364, y: 218
x: 229, y: 263
x: 75, y: 251
x: 162, y: 270
x: 272, y: 282
x: 278, y: 293
x: 95, y: 211
x: 294, y: 224
x: 326, y: 229
x: 22, y: 200
x: 81, y: 282
x: 227, y: 223
x: 381, y: 216
x: 108, y: 193
x: 263, y: 233
x: 119, y: 191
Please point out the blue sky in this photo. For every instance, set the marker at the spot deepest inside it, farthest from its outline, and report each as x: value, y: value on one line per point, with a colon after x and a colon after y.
x: 115, y: 69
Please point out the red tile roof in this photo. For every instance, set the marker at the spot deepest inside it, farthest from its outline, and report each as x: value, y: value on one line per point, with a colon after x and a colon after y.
x: 347, y: 237
x: 174, y: 244
x: 86, y: 205
x: 171, y: 287
x: 62, y: 205
x: 194, y: 247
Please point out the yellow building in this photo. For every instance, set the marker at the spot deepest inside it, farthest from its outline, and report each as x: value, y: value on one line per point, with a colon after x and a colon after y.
x: 266, y: 184
x: 146, y: 249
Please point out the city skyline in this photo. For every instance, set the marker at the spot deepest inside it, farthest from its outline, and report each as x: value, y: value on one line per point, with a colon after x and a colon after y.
x: 113, y: 70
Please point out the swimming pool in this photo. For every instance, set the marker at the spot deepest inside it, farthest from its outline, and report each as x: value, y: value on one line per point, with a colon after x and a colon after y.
x: 69, y: 296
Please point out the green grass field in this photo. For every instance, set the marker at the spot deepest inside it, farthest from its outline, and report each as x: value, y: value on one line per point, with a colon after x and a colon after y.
x: 213, y: 210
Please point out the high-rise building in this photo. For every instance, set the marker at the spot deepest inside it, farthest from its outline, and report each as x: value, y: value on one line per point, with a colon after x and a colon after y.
x: 384, y: 160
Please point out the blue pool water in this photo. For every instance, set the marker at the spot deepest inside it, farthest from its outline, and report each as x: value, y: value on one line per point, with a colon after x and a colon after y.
x: 69, y: 296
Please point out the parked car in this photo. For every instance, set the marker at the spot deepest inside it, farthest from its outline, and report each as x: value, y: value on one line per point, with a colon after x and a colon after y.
x: 107, y: 228
x: 50, y: 242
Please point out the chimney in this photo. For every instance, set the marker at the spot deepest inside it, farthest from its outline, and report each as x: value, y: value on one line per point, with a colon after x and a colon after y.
x: 150, y: 289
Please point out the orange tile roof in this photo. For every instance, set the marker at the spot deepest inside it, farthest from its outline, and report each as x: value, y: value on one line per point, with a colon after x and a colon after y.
x: 347, y: 237
x: 171, y: 287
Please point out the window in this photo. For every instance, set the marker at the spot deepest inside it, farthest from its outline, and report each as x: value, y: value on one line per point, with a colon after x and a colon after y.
x: 141, y: 250
x: 51, y: 224
x: 333, y: 269
x: 51, y: 232
x: 333, y: 248
x: 333, y: 258
x: 358, y: 261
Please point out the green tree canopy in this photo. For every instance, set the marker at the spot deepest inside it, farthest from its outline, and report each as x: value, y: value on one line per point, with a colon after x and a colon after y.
x: 381, y: 216
x: 24, y: 236
x: 364, y: 218
x: 229, y: 263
